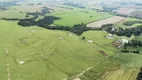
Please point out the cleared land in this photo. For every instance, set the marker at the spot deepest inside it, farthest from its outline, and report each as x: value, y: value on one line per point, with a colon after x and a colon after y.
x: 111, y: 20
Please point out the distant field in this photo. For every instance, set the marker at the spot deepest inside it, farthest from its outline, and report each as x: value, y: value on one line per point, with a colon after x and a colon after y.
x: 125, y: 11
x: 77, y: 16
x: 111, y: 20
x: 34, y: 8
x: 137, y: 14
x: 12, y: 14
x: 129, y: 19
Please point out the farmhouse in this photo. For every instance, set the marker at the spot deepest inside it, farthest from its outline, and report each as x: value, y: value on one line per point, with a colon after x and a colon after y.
x: 70, y: 34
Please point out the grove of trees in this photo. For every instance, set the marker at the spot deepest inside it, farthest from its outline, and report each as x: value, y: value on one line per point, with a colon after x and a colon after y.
x: 123, y: 32
x: 130, y: 23
x: 134, y: 44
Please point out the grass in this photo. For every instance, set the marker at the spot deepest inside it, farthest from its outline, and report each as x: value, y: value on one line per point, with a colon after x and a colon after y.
x: 120, y: 66
x: 47, y: 56
x: 77, y: 16
x: 54, y: 55
x: 12, y: 14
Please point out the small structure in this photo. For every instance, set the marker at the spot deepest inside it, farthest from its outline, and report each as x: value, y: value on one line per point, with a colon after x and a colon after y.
x: 112, y: 29
x: 21, y: 62
x: 110, y: 36
x: 124, y: 41
x: 70, y: 34
x: 90, y: 41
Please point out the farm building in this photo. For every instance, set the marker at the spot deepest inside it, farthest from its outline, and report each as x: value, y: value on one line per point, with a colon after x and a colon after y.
x: 122, y: 41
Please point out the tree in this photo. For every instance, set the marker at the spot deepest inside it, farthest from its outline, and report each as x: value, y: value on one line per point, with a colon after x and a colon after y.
x: 83, y: 38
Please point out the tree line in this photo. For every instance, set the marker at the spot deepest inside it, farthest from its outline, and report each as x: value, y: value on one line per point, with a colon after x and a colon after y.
x: 123, y: 32
x: 130, y: 23
x: 48, y: 20
x: 132, y: 43
x: 44, y: 11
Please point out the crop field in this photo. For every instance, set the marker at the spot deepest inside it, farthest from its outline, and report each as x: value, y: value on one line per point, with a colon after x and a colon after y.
x: 137, y: 14
x: 125, y: 11
x: 111, y: 20
x: 12, y: 13
x: 34, y: 8
x: 77, y: 16
x: 48, y: 55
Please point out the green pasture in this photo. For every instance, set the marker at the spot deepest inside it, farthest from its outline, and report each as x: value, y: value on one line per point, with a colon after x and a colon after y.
x: 12, y: 13
x: 77, y: 16
x: 48, y: 54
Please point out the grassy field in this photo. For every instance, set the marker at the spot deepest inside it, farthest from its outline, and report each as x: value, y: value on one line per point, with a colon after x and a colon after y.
x: 48, y: 55
x: 77, y: 16
x: 121, y: 67
x: 12, y: 13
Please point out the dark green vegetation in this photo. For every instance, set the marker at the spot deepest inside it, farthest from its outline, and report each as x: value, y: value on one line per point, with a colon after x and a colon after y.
x: 123, y: 32
x: 139, y: 77
x: 130, y: 23
x: 132, y: 46
x: 43, y: 12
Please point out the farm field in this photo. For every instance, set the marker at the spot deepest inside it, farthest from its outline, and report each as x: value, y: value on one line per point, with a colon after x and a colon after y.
x: 111, y: 20
x: 125, y: 11
x: 77, y: 16
x: 137, y: 14
x: 54, y: 56
x: 12, y: 14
